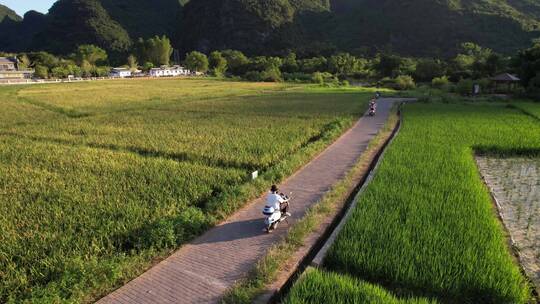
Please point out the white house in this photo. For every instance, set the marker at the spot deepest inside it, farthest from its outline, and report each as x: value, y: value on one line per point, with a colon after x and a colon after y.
x: 9, y: 69
x: 121, y: 72
x: 173, y: 71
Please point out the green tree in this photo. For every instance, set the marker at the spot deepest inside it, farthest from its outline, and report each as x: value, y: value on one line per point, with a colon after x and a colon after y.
x: 90, y: 53
x: 41, y: 71
x: 148, y: 66
x: 527, y: 63
x: 197, y: 61
x: 237, y: 62
x: 132, y: 63
x: 60, y: 72
x: 157, y: 50
x: 24, y: 61
x: 343, y: 64
x: 427, y: 69
x: 43, y: 59
x: 290, y: 65
x: 388, y: 65
x: 218, y: 63
x: 87, y: 70
x: 312, y: 65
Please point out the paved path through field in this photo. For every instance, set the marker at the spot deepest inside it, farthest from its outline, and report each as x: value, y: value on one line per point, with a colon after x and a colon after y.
x: 201, y: 271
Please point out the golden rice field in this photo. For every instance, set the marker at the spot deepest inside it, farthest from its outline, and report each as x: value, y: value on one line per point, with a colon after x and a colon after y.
x: 98, y: 179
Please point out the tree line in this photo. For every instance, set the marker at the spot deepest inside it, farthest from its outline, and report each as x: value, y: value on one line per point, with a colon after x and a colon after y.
x: 472, y: 64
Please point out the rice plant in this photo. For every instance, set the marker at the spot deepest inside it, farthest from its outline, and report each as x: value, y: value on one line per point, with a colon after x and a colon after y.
x: 99, y: 179
x: 426, y: 223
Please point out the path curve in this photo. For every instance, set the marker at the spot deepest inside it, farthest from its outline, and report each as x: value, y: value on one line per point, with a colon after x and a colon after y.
x: 201, y: 271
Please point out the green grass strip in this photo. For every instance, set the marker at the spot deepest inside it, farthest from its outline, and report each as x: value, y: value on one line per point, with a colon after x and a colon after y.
x: 316, y: 286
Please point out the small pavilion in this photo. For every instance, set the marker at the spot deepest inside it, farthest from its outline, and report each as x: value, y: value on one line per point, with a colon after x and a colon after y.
x: 506, y: 78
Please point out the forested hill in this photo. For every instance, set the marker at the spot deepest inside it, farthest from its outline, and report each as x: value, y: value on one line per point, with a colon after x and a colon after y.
x: 6, y: 12
x: 310, y: 27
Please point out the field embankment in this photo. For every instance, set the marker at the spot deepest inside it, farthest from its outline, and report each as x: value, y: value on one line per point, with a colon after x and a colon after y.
x: 425, y: 226
x: 99, y: 179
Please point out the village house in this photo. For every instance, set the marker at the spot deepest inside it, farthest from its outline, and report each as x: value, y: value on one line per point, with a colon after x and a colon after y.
x: 123, y: 72
x: 9, y: 69
x: 173, y: 71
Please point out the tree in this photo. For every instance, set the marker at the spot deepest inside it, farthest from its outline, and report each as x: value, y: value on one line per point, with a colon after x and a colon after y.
x: 24, y: 61
x: 312, y: 65
x: 290, y: 65
x: 218, y: 63
x: 427, y: 69
x: 236, y: 61
x: 86, y: 69
x: 41, y: 72
x: 388, y: 65
x: 344, y: 64
x: 90, y: 53
x: 132, y: 63
x: 263, y: 63
x: 157, y: 50
x: 43, y: 59
x: 527, y: 63
x: 148, y: 66
x: 197, y: 61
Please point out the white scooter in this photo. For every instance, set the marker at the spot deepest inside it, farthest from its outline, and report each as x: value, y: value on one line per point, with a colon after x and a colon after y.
x: 273, y: 216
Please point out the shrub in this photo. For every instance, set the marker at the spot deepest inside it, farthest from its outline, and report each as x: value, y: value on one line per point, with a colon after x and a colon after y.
x: 321, y: 77
x: 464, y: 86
x: 253, y: 76
x: 404, y: 82
x: 297, y: 77
x: 272, y: 74
x: 440, y: 82
x: 41, y: 72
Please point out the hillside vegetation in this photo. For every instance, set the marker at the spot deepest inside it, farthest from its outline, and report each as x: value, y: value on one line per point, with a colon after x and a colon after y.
x: 309, y: 27
x: 6, y: 12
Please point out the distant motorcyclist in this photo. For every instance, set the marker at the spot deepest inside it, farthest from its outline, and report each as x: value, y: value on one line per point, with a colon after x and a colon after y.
x: 277, y: 201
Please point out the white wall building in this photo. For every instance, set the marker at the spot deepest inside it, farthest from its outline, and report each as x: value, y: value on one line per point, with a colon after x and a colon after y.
x: 121, y: 72
x: 173, y: 71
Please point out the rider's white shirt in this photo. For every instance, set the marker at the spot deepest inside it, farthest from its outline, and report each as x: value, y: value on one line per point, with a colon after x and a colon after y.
x: 274, y: 200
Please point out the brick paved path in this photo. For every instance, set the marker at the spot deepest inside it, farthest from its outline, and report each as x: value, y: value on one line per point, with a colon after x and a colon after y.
x: 201, y: 271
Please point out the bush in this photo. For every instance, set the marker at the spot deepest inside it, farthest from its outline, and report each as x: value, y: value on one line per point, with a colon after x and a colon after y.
x: 268, y: 75
x: 464, y: 87
x: 404, y: 82
x: 253, y: 76
x: 297, y: 77
x: 41, y: 72
x: 272, y: 74
x: 322, y: 77
x: 440, y: 82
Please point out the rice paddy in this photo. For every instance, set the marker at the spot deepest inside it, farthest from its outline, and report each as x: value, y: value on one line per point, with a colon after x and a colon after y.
x: 426, y: 227
x: 99, y: 179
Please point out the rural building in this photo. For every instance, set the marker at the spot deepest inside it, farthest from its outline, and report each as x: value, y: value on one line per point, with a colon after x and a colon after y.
x: 9, y: 69
x: 507, y: 79
x: 173, y: 71
x: 123, y: 72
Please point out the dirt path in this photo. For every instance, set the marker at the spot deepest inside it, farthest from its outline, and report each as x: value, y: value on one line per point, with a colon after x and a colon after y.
x: 201, y: 271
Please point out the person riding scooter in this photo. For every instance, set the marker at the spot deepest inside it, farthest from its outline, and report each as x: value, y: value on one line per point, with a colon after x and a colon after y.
x: 277, y: 201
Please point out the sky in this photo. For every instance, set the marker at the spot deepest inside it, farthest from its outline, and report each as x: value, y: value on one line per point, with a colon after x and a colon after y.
x: 22, y: 6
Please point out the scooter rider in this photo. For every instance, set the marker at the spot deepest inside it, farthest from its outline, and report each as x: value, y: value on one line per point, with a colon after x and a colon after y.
x: 274, y: 199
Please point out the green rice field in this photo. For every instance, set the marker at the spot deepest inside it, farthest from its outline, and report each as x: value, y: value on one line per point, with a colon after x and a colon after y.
x: 100, y: 179
x: 426, y: 227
